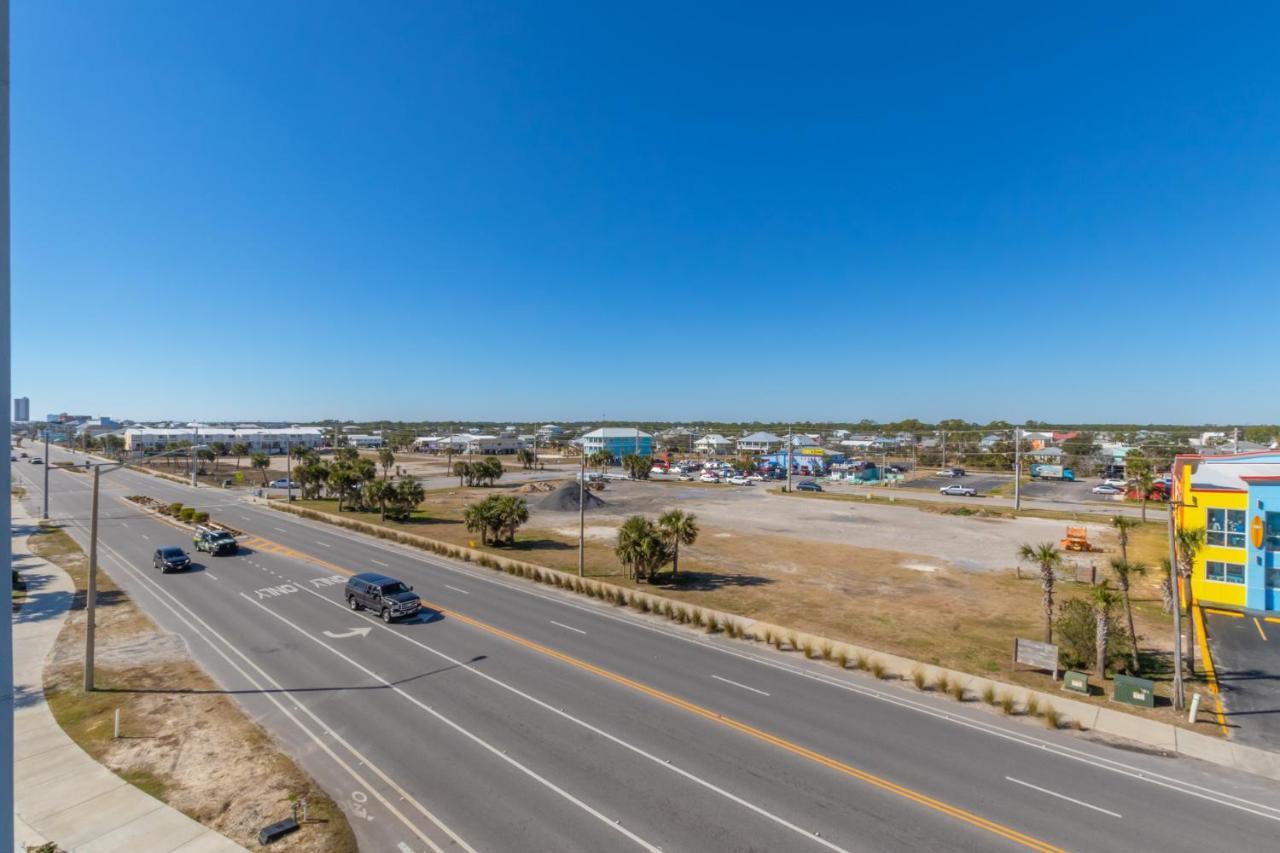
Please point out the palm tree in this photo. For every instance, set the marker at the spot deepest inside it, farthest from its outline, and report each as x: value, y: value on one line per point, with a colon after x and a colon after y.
x: 1189, y: 542
x: 511, y: 512
x: 1138, y: 467
x: 1125, y: 572
x: 1048, y: 558
x: 1103, y: 600
x: 477, y: 517
x: 376, y: 493
x: 601, y: 458
x: 641, y: 548
x: 680, y: 528
x: 386, y: 458
x: 1166, y: 586
x: 1123, y: 524
x: 261, y: 461
x: 340, y: 480
x: 302, y: 454
x: 408, y: 494
x: 462, y: 470
x: 239, y: 450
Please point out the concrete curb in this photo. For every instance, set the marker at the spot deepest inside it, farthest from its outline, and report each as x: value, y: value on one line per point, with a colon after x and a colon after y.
x: 1093, y: 718
x: 61, y: 794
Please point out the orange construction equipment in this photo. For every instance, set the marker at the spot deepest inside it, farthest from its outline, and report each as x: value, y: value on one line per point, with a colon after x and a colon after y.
x: 1077, y: 540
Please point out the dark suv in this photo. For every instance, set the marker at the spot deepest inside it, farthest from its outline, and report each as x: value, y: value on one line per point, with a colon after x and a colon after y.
x: 388, y: 597
x: 215, y: 542
x: 170, y: 558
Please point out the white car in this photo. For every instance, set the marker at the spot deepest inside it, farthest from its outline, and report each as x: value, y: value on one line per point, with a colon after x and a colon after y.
x: 1105, y: 489
x: 756, y: 476
x: 959, y: 491
x: 1115, y: 481
x: 686, y: 478
x: 708, y: 477
x: 740, y: 480
x: 282, y: 483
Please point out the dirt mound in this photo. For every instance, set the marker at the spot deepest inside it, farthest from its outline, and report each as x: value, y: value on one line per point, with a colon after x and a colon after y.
x: 565, y: 499
x: 539, y: 487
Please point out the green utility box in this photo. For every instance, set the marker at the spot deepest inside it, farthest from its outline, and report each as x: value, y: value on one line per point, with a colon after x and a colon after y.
x: 1076, y: 682
x: 1135, y: 691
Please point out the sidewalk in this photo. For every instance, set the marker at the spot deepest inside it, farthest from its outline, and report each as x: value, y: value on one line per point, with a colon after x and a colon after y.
x: 60, y: 793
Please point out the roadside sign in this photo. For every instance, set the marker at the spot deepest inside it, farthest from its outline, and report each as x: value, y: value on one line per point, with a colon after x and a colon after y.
x: 1035, y: 654
x: 1076, y: 682
x: 1135, y: 691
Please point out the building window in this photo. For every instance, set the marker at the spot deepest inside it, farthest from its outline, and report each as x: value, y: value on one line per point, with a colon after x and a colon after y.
x: 1272, y: 539
x: 1224, y: 572
x: 1226, y: 527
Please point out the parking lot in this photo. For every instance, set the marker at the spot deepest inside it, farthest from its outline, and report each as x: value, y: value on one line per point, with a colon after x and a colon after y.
x: 1246, y: 657
x: 983, y: 483
x: 1060, y: 490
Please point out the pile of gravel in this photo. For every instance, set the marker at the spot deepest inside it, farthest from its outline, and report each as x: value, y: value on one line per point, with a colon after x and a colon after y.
x: 565, y: 499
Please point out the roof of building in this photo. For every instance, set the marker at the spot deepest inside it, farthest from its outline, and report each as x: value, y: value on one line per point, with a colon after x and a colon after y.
x: 757, y: 437
x: 616, y: 432
x: 713, y: 438
x: 1230, y: 472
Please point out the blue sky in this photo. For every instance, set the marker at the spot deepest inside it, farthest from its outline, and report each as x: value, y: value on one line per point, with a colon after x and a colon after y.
x: 562, y: 211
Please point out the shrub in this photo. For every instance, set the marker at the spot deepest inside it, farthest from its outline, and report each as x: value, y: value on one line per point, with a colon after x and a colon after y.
x: 792, y: 641
x: 777, y: 641
x: 943, y: 684
x: 768, y: 636
x: 989, y: 694
x: 878, y: 669
x: 188, y: 513
x: 1052, y: 719
x: 1033, y: 706
x: 862, y: 662
x: 713, y: 624
x: 918, y: 678
x: 172, y: 509
x: 1076, y: 632
x: 1006, y: 703
x: 200, y: 517
x: 825, y: 649
x: 841, y: 659
x: 957, y: 691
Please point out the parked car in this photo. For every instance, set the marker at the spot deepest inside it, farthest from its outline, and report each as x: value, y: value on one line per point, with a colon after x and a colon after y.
x: 808, y: 486
x: 739, y: 480
x: 686, y: 478
x: 13, y: 458
x: 23, y: 454
x: 951, y: 472
x: 214, y: 541
x: 1118, y: 482
x: 389, y: 598
x: 283, y: 483
x: 170, y: 558
x: 36, y: 460
x: 1105, y: 489
x: 708, y: 477
x: 959, y: 491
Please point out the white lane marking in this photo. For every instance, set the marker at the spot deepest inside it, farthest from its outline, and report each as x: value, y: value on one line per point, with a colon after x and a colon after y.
x: 404, y: 848
x: 124, y: 524
x: 378, y: 562
x: 245, y: 518
x: 145, y: 536
x: 567, y: 627
x: 327, y: 545
x: 212, y: 577
x: 156, y: 591
x: 455, y: 589
x: 739, y: 684
x: 1099, y: 762
x: 1061, y: 796
x: 627, y: 745
x: 280, y: 529
x: 468, y: 734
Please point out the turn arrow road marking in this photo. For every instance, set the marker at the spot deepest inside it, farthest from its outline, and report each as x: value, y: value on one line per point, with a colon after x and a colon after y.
x: 354, y: 632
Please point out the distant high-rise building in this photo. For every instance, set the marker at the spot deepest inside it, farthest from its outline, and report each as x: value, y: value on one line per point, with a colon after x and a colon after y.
x: 21, y: 409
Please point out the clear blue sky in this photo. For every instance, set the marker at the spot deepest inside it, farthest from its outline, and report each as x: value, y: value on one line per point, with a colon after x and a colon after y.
x: 558, y: 211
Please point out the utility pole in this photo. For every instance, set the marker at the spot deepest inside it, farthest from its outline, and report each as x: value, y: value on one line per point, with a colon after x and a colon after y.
x: 194, y: 441
x: 6, y: 554
x: 1017, y: 468
x: 288, y: 469
x: 45, y: 514
x: 582, y: 515
x: 788, y: 459
x: 944, y: 451
x: 1178, y: 696
x: 1235, y: 441
x: 91, y: 596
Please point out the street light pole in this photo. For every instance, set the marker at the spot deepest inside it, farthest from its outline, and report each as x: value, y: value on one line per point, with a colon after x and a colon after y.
x: 45, y: 514
x: 582, y: 515
x: 1017, y: 468
x: 288, y: 469
x: 1178, y: 695
x: 195, y: 440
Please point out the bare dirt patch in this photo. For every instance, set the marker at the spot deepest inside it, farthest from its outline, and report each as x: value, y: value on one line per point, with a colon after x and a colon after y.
x: 184, y: 740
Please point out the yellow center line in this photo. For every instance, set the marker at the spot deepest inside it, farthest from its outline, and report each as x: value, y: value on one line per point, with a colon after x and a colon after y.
x: 1216, y: 612
x: 1261, y: 632
x: 956, y: 812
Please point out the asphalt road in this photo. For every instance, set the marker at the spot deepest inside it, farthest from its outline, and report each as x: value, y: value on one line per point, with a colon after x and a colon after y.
x: 1246, y: 657
x: 514, y: 717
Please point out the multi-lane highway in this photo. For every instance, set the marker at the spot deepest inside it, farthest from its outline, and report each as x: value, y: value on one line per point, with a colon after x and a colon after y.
x: 518, y: 718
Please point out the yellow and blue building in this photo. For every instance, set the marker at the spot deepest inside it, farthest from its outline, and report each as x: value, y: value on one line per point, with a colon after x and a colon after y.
x: 1236, y: 501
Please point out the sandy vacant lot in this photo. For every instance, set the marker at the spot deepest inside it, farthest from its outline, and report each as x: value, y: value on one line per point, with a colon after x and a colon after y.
x: 926, y: 538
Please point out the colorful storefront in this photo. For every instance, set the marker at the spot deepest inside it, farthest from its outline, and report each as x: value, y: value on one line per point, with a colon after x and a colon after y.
x: 1236, y: 501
